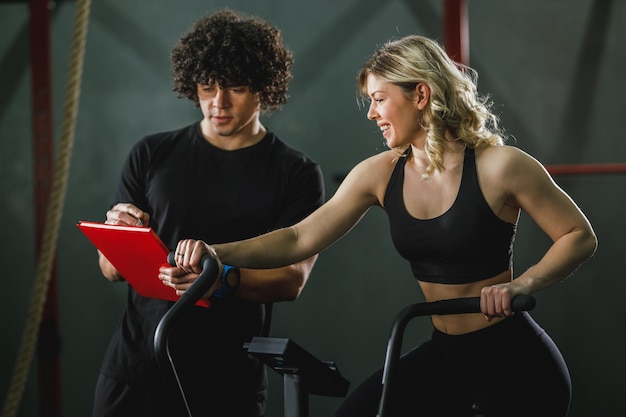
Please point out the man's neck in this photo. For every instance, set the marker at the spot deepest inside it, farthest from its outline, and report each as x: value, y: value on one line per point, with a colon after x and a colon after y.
x: 238, y: 140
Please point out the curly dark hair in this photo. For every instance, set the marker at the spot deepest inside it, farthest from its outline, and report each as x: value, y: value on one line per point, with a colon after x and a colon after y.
x: 233, y: 49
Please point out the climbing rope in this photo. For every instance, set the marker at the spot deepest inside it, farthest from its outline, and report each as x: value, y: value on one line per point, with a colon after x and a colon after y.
x: 53, y: 212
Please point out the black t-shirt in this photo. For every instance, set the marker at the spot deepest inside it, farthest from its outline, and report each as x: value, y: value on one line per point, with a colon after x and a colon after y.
x: 192, y: 189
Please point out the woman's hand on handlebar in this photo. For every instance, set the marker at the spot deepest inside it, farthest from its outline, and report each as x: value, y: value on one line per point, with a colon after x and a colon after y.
x: 495, y: 300
x: 189, y: 254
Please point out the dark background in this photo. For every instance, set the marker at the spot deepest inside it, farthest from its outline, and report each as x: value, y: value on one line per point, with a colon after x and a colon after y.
x: 554, y: 69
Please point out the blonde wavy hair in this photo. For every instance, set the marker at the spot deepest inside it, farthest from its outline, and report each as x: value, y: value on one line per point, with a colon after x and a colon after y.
x: 455, y: 104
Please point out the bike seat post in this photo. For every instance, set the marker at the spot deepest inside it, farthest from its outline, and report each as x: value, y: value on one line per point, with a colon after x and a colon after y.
x: 296, y: 396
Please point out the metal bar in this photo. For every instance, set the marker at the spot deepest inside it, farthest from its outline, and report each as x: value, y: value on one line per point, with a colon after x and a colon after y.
x: 43, y: 149
x: 577, y: 169
x: 456, y: 30
x: 296, y: 396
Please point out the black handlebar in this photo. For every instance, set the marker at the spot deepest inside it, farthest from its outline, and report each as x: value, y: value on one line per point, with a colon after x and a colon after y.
x: 171, y: 258
x: 441, y: 307
x: 463, y: 305
x: 201, y: 285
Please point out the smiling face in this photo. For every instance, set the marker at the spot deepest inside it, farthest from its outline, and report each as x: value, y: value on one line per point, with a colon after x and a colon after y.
x: 396, y: 114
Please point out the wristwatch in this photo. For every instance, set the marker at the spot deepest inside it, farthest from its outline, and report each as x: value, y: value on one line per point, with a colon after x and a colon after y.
x: 227, y: 290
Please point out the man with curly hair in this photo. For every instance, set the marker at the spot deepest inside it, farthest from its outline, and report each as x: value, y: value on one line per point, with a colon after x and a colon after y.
x: 223, y: 178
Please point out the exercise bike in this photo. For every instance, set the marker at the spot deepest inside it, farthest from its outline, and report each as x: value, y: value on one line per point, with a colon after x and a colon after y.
x: 303, y: 373
x: 441, y: 307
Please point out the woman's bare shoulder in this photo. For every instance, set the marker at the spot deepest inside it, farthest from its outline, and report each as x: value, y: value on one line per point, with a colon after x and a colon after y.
x: 505, y: 159
x: 379, y: 163
x: 371, y: 175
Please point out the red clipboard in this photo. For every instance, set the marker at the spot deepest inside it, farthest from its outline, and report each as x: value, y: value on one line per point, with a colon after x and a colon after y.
x: 137, y: 253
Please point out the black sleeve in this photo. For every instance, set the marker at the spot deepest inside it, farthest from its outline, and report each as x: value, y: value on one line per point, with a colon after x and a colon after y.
x: 132, y: 183
x: 305, y: 193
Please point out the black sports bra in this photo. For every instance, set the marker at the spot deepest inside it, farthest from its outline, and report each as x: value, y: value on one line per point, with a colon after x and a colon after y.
x: 467, y: 243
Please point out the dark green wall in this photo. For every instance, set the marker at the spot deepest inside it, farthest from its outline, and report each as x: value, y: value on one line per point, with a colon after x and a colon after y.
x: 554, y: 68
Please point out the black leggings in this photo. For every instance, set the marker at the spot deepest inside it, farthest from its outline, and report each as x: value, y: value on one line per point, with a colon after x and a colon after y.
x: 510, y: 369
